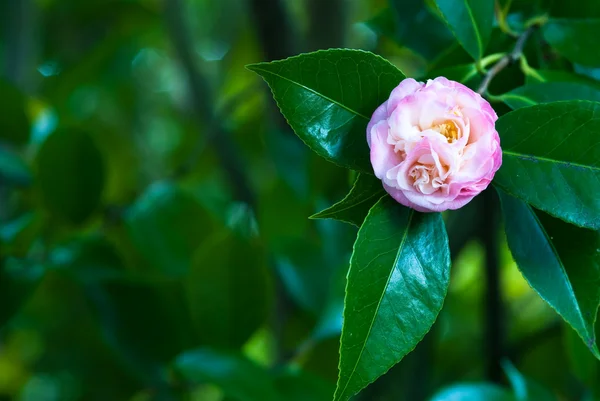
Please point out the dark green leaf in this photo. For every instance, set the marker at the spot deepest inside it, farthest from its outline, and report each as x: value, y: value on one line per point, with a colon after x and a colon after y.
x: 560, y: 262
x: 296, y: 385
x: 354, y: 207
x: 147, y: 322
x: 397, y: 283
x: 18, y: 279
x: 13, y: 169
x: 328, y: 98
x: 575, y: 39
x: 14, y: 122
x: 540, y: 76
x: 228, y: 290
x: 551, y: 159
x: 409, y: 16
x: 473, y: 392
x: 524, y: 388
x: 71, y: 174
x: 529, y: 95
x: 471, y: 21
x: 238, y: 377
x: 167, y: 225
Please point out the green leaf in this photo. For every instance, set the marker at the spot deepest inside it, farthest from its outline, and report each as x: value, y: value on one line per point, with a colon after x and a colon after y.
x: 328, y: 98
x: 575, y: 39
x: 559, y: 261
x: 13, y: 169
x: 473, y: 392
x: 525, y: 389
x: 18, y: 280
x: 354, y: 207
x: 409, y: 18
x: 548, y: 92
x: 70, y: 173
x: 14, y: 122
x: 471, y: 21
x: 396, y: 286
x: 550, y: 159
x: 167, y: 225
x: 147, y: 322
x: 238, y: 377
x: 228, y: 290
x: 294, y: 385
x: 540, y: 76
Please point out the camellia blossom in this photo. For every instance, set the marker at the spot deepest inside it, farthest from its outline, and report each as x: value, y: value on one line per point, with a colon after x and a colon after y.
x: 434, y: 145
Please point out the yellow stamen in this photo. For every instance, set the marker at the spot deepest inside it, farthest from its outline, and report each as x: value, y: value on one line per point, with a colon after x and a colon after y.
x: 448, y: 129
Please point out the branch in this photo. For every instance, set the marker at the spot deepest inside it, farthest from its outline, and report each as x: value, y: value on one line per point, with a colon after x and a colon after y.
x: 506, y: 60
x: 202, y: 102
x: 494, y: 308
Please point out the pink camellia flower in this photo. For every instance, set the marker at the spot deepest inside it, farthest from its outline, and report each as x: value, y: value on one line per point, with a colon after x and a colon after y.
x: 434, y: 145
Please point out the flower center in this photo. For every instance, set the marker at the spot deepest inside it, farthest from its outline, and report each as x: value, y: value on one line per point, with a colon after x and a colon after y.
x: 448, y: 129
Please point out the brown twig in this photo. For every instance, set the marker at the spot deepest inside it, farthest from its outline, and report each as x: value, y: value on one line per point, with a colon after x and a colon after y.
x: 506, y: 60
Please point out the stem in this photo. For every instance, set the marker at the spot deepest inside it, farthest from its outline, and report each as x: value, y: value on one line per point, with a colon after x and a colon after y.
x: 494, y: 311
x: 202, y: 102
x: 274, y: 28
x: 506, y: 60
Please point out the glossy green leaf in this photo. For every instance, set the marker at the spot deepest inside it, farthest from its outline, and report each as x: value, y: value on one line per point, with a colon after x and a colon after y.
x: 228, y: 290
x: 354, y: 207
x: 70, y: 173
x: 560, y: 262
x: 575, y: 39
x: 526, y: 389
x: 14, y: 121
x: 167, y: 225
x: 13, y: 169
x: 328, y: 98
x: 471, y: 21
x: 396, y: 286
x: 473, y: 392
x: 548, y: 92
x: 238, y: 377
x: 551, y: 159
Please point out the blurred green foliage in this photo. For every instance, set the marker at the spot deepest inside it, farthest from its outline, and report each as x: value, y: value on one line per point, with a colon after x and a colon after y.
x: 154, y: 231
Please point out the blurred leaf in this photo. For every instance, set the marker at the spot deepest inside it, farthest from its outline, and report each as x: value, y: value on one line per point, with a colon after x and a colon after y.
x: 239, y: 378
x: 473, y: 392
x: 353, y: 209
x: 397, y: 283
x: 17, y: 235
x: 228, y: 290
x: 559, y: 261
x: 471, y: 21
x: 147, y: 322
x: 18, y: 280
x: 13, y: 169
x: 167, y: 225
x: 546, y: 159
x: 301, y: 386
x: 525, y: 389
x: 407, y: 19
x: 529, y: 95
x: 328, y: 98
x: 70, y: 173
x: 14, y: 121
x: 574, y: 39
